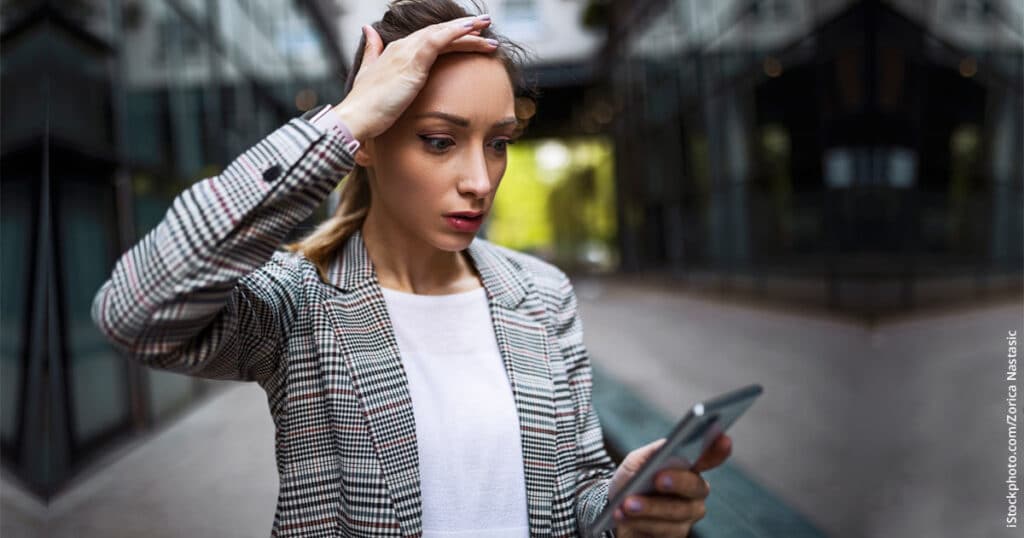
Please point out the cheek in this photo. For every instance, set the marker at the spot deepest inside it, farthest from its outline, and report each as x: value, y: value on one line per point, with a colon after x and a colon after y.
x: 415, y: 182
x: 412, y: 183
x: 497, y: 172
x: 401, y: 170
x: 502, y: 166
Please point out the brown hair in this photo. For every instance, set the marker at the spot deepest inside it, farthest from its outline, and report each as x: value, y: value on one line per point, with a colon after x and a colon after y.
x: 402, y: 18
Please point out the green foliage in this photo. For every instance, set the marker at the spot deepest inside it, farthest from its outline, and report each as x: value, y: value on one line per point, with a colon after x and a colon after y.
x: 557, y: 199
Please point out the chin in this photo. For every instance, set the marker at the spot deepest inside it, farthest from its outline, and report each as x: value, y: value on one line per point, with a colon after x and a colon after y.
x: 454, y: 242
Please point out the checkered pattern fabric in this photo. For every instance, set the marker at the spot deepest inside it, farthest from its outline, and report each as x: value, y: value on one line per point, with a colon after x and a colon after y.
x: 208, y: 292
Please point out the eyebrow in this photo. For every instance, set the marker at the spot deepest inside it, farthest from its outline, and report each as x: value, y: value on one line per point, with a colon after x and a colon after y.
x: 463, y: 122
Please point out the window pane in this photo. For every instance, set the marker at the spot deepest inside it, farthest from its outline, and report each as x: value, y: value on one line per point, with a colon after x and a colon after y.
x: 86, y: 243
x: 17, y: 205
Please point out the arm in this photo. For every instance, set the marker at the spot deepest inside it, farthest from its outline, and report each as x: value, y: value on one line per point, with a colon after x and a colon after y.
x: 204, y: 292
x: 595, y: 466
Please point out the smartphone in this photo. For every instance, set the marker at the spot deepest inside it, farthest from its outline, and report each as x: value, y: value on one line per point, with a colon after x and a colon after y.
x: 683, y: 446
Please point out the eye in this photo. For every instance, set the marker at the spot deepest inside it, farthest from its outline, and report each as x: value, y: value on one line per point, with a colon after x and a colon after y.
x: 501, y: 144
x: 437, y: 143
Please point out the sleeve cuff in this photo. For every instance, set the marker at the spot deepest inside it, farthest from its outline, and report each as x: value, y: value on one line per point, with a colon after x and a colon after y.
x: 330, y: 122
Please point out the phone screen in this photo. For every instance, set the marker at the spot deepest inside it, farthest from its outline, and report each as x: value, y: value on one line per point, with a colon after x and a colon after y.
x: 691, y: 437
x: 693, y: 445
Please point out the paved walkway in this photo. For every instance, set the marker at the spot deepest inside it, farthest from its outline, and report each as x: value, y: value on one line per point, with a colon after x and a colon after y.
x: 210, y: 473
x: 893, y: 431
x: 886, y: 431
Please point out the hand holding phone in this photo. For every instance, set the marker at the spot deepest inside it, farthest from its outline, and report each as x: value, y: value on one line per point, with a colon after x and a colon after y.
x: 682, y: 448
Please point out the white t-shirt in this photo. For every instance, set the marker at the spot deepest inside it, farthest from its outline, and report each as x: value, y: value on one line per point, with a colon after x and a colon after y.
x: 467, y: 426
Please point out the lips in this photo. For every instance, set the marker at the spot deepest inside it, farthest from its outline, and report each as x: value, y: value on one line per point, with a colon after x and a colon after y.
x: 465, y: 214
x: 465, y: 221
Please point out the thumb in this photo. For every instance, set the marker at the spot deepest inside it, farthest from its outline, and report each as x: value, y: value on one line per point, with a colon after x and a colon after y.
x: 632, y: 463
x: 650, y: 448
x: 374, y: 45
x: 636, y: 459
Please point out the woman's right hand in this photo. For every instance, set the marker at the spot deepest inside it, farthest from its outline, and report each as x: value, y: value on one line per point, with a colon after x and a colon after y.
x: 390, y: 78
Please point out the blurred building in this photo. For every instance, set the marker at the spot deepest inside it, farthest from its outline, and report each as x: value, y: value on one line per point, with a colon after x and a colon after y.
x: 110, y: 109
x: 113, y: 107
x: 863, y: 155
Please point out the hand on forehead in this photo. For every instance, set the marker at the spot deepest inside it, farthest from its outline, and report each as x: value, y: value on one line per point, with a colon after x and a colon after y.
x: 472, y: 86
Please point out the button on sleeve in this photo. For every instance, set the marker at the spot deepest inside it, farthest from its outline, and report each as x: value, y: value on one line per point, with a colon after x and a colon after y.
x: 271, y: 174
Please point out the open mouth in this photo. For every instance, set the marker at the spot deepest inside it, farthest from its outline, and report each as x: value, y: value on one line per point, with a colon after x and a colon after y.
x: 465, y: 223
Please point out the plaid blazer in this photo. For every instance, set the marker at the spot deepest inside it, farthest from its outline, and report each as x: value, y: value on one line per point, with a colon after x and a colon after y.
x: 208, y: 293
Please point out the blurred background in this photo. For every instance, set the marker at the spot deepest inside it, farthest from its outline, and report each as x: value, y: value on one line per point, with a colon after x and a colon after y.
x: 824, y: 197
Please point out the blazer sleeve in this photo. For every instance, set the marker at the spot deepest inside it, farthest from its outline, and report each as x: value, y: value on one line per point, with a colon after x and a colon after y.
x: 595, y: 467
x: 204, y: 293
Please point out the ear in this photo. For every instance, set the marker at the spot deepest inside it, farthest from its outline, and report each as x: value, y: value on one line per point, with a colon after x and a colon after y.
x: 364, y: 155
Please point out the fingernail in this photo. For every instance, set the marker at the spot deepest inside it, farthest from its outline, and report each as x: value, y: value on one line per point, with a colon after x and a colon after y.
x: 666, y: 482
x: 492, y: 42
x: 484, y: 17
x: 634, y: 505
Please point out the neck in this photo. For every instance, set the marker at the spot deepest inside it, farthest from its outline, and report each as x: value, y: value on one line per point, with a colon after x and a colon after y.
x: 405, y: 263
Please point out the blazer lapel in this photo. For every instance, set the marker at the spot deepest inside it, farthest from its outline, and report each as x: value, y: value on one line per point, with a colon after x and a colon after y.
x: 523, y: 342
x: 370, y: 352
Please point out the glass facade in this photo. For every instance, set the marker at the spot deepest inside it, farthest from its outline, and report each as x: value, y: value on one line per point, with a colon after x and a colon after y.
x: 864, y: 155
x: 138, y: 100
x: 855, y: 153
x: 16, y: 231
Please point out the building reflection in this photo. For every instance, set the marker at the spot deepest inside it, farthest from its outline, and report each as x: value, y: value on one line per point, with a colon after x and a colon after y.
x: 861, y: 155
x: 110, y: 110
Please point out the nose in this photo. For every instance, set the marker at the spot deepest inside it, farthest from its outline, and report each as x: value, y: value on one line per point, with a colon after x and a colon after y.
x: 476, y: 177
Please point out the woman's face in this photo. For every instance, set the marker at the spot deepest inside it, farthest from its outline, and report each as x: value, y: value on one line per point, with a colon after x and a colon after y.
x: 446, y: 153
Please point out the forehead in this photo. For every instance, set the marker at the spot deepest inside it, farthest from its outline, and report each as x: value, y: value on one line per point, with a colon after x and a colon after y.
x: 467, y: 84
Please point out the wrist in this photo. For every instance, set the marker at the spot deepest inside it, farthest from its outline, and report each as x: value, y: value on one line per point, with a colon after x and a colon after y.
x: 351, y: 120
x: 335, y: 125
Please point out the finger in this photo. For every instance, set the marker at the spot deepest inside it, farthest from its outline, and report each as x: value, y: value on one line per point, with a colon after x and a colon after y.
x: 654, y: 445
x: 637, y: 457
x: 471, y: 24
x: 717, y: 453
x: 437, y: 36
x: 471, y: 44
x: 682, y: 483
x: 662, y: 508
x: 374, y: 45
x: 650, y: 448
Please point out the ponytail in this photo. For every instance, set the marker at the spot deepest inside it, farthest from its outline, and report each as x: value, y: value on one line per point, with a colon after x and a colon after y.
x: 322, y: 244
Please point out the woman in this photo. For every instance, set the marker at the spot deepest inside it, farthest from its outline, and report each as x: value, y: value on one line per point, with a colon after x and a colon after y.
x: 422, y: 382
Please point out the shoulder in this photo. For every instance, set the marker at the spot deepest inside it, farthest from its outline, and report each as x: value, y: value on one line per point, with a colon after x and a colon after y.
x: 549, y: 281
x: 286, y: 261
x: 285, y: 271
